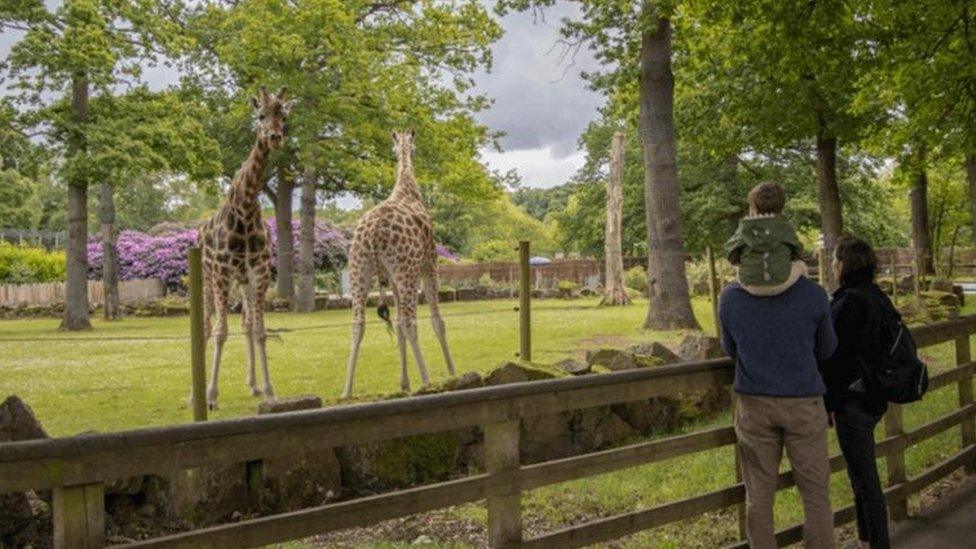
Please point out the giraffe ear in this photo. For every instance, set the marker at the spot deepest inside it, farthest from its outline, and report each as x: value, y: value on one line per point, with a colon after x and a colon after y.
x: 255, y: 103
x: 286, y: 108
x: 281, y: 93
x: 264, y: 94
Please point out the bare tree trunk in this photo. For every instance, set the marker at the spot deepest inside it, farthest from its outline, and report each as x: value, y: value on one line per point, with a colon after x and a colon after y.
x: 76, y: 314
x: 667, y: 287
x: 305, y: 299
x: 921, y: 237
x: 828, y: 193
x: 286, y: 248
x: 614, y: 291
x: 110, y: 259
x: 971, y: 178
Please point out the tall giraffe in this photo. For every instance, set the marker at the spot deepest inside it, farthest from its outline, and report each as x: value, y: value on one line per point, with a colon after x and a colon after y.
x: 395, y: 241
x: 235, y: 248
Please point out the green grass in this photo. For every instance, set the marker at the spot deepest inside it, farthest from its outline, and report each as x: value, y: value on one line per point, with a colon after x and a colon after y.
x: 122, y: 376
x: 136, y: 372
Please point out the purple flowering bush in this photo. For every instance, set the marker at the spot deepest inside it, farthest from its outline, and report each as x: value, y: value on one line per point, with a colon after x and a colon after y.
x: 163, y: 256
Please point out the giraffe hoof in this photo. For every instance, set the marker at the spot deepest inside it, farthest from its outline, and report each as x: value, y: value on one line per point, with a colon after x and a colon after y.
x: 346, y: 395
x: 255, y: 392
x: 212, y: 406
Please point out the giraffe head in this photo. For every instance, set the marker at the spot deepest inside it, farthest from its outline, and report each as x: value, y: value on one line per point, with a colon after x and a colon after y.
x: 403, y: 143
x: 271, y: 112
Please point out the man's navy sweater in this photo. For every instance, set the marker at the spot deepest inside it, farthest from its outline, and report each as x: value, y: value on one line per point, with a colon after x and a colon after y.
x: 775, y: 341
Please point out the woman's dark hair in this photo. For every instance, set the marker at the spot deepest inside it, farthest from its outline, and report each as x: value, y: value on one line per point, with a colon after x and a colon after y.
x: 858, y: 261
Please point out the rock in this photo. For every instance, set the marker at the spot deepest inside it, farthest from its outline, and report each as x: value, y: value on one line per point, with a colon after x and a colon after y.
x: 650, y: 416
x: 300, y: 482
x: 290, y: 404
x: 467, y: 380
x: 656, y: 350
x: 443, y: 296
x: 616, y: 360
x: 337, y: 302
x: 17, y: 527
x: 399, y: 462
x: 960, y: 294
x: 546, y: 437
x: 510, y: 372
x: 17, y: 421
x: 940, y: 285
x: 422, y: 539
x: 611, y: 430
x: 697, y: 347
x: 573, y: 367
x: 906, y: 283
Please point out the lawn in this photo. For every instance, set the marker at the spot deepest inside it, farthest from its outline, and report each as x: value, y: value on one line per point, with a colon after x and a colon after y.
x: 136, y: 373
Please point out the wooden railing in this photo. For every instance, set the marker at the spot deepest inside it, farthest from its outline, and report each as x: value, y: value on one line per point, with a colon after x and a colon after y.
x: 76, y: 468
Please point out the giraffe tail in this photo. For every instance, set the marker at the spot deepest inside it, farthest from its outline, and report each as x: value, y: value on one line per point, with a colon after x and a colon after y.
x: 383, y: 310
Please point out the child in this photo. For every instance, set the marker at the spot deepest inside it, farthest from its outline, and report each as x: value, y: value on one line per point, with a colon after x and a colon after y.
x: 764, y: 247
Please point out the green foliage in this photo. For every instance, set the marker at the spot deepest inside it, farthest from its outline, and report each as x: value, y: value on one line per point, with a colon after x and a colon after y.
x: 567, y: 288
x: 635, y: 278
x: 420, y: 459
x: 19, y: 202
x: 26, y: 265
x: 494, y: 250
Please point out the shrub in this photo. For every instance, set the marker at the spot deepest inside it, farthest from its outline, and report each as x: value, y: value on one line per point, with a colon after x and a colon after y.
x: 494, y: 250
x: 635, y: 278
x: 567, y: 288
x: 697, y: 272
x: 26, y: 264
x: 485, y: 281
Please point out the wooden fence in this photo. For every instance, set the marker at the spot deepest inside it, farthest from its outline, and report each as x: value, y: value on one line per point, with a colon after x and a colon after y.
x: 43, y: 295
x: 77, y: 468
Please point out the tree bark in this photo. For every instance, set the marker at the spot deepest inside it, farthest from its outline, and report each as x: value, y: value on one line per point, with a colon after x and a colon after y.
x: 918, y: 197
x: 614, y: 291
x: 305, y: 298
x: 285, y: 261
x: 110, y: 259
x: 76, y: 314
x: 828, y: 193
x: 971, y: 179
x: 669, y: 302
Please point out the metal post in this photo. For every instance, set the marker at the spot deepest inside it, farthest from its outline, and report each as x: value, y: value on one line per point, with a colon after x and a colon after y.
x: 713, y: 288
x: 198, y: 344
x: 525, y: 302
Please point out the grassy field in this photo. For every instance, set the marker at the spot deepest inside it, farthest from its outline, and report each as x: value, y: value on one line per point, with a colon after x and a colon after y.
x: 135, y: 373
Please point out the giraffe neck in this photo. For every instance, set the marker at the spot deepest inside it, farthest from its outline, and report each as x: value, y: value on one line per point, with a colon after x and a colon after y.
x: 249, y: 181
x: 406, y: 184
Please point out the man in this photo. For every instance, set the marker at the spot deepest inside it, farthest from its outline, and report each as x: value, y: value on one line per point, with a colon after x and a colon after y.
x: 775, y: 341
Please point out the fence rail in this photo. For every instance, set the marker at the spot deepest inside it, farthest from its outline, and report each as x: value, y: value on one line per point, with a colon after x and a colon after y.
x: 77, y: 467
x: 50, y: 293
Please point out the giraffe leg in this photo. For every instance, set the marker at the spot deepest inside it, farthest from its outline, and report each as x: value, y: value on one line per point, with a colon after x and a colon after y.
x: 219, y: 336
x: 247, y: 323
x: 401, y: 344
x: 430, y: 289
x: 408, y: 323
x: 259, y: 286
x: 360, y: 276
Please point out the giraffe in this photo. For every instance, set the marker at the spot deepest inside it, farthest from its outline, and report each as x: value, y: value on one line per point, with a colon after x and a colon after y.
x: 395, y: 242
x: 235, y: 248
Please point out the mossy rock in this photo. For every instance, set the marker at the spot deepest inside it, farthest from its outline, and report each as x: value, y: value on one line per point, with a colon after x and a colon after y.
x: 616, y: 360
x: 510, y: 372
x: 399, y: 462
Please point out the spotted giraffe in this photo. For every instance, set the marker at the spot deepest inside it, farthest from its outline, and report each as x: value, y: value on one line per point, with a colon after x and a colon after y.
x: 235, y: 248
x: 395, y: 242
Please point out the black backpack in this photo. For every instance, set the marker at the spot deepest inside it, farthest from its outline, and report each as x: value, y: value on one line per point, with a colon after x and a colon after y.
x: 898, y: 375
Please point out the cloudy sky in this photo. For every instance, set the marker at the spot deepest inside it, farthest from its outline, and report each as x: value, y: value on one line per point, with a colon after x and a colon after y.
x: 540, y: 102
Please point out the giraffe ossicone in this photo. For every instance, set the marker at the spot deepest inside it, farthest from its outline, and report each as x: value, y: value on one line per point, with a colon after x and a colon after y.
x: 394, y: 241
x: 235, y: 249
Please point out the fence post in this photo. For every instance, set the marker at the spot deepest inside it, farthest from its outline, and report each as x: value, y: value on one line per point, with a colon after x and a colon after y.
x: 713, y: 288
x: 525, y: 302
x: 198, y: 343
x: 741, y: 507
x: 505, y: 499
x: 894, y: 427
x: 821, y: 268
x: 79, y: 516
x: 968, y: 425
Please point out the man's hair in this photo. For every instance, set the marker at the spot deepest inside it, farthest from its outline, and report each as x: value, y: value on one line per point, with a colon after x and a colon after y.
x: 767, y: 198
x: 858, y: 262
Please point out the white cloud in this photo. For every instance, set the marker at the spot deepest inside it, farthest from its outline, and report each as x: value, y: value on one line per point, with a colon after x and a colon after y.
x: 539, y: 167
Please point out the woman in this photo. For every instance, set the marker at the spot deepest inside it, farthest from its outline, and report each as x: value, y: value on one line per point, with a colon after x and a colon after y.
x: 861, y: 313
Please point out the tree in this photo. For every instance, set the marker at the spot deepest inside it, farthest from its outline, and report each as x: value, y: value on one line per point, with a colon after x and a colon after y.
x: 358, y: 70
x: 67, y: 52
x: 614, y: 291
x: 781, y: 75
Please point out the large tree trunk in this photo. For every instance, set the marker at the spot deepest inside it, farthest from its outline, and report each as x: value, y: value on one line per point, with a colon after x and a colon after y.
x: 614, y: 291
x: 918, y: 197
x: 286, y: 248
x: 76, y: 314
x: 971, y: 178
x: 305, y: 299
x: 110, y: 259
x: 669, y: 303
x: 828, y: 193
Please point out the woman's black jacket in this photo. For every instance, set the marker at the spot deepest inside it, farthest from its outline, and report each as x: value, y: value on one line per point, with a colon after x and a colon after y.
x: 859, y: 313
